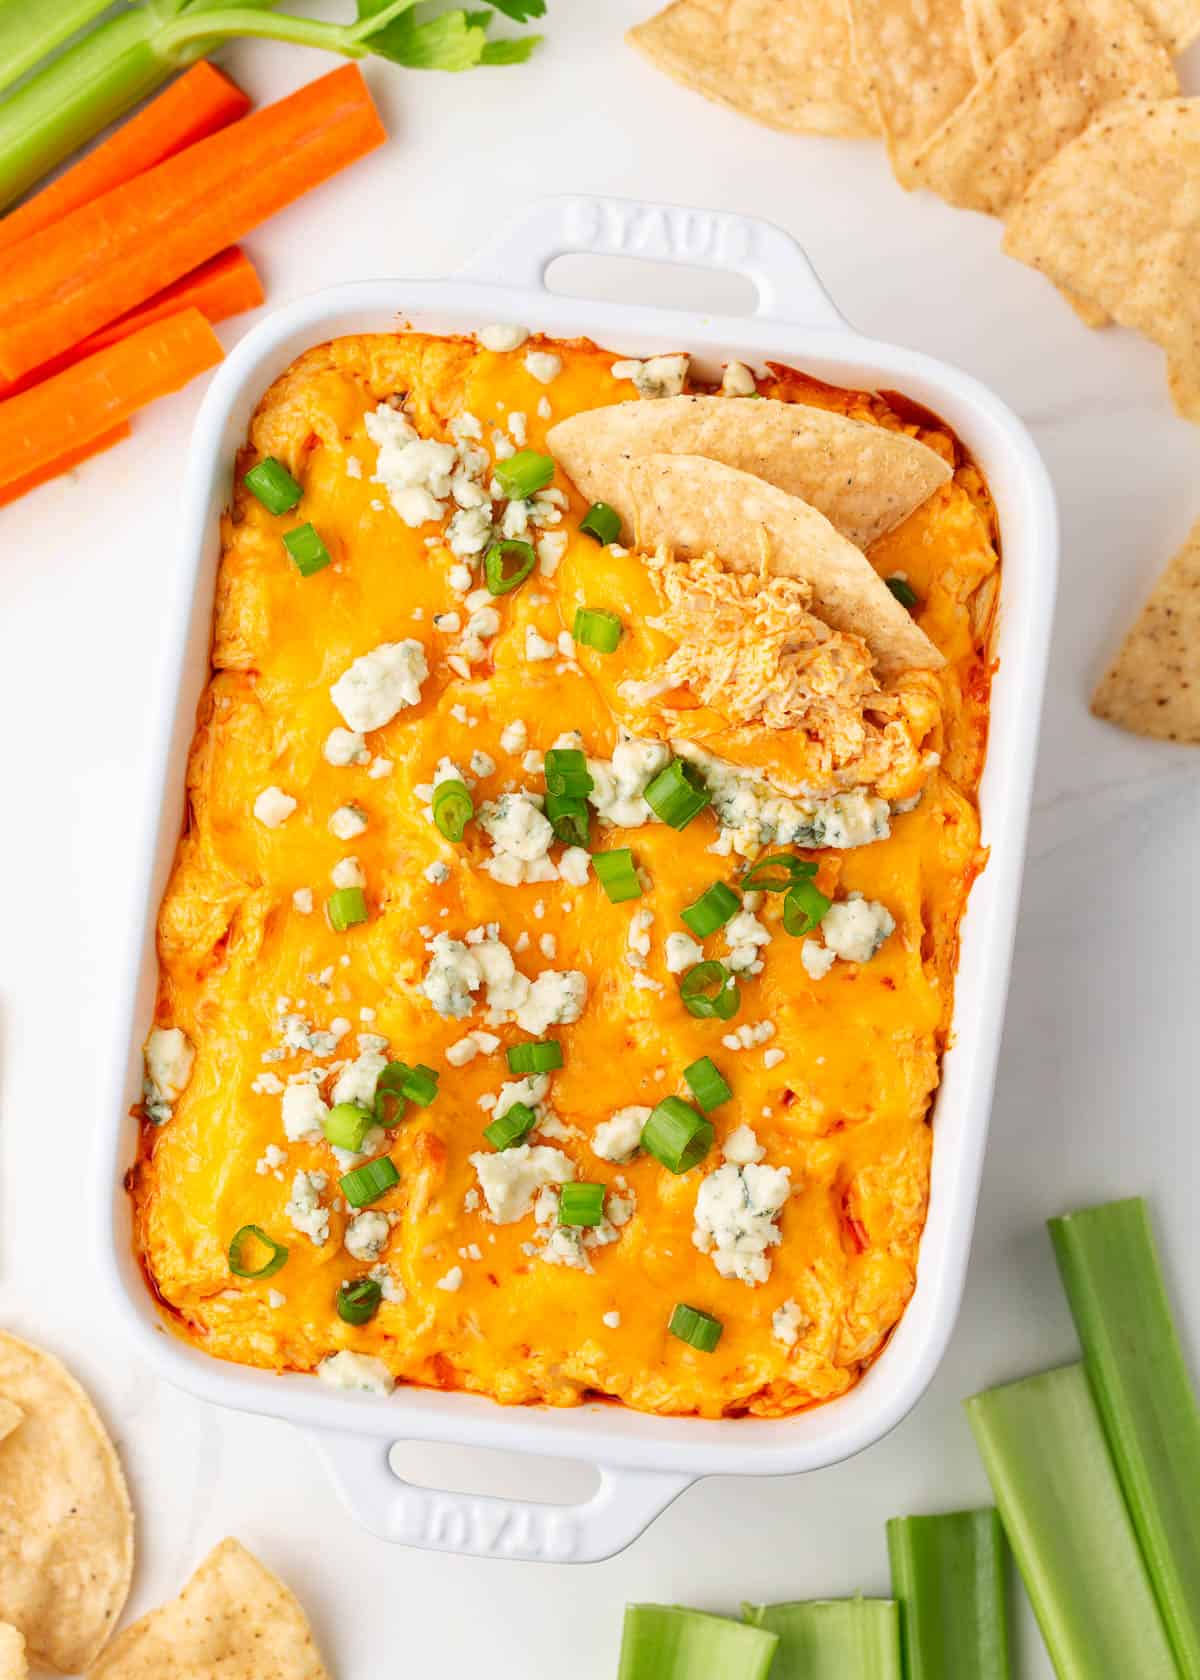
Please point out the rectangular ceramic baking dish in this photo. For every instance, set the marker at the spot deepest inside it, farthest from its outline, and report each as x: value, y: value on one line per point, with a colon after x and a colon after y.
x: 644, y: 1462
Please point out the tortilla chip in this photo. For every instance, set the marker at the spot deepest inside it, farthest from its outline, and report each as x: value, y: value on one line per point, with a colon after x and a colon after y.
x: 1116, y: 215
x: 865, y: 479
x: 66, y: 1526
x: 696, y: 506
x: 1039, y: 94
x: 233, y: 1619
x: 10, y: 1417
x: 786, y: 63
x: 12, y: 1654
x: 1153, y: 685
x: 993, y: 25
x: 915, y: 56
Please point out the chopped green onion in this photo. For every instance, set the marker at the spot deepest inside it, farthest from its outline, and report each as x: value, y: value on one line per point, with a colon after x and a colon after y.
x: 707, y: 1084
x: 524, y: 473
x: 904, y: 592
x: 273, y: 485
x: 347, y: 1124
x: 677, y: 794
x: 602, y: 522
x: 1060, y: 1500
x: 676, y: 1135
x: 617, y: 874
x: 777, y: 873
x: 507, y: 564
x: 421, y: 1085
x: 390, y: 1101
x: 1110, y: 1268
x: 567, y: 772
x: 949, y: 1575
x: 803, y: 908
x: 511, y: 1126
x: 710, y: 992
x: 596, y: 628
x: 346, y: 908
x: 308, y: 552
x: 711, y: 910
x: 358, y: 1302
x: 541, y: 1057
x: 581, y: 1204
x: 399, y: 1084
x: 569, y: 818
x: 370, y: 1181
x: 254, y: 1233
x: 698, y: 1329
x: 453, y: 808
x: 665, y: 1642
x: 835, y: 1639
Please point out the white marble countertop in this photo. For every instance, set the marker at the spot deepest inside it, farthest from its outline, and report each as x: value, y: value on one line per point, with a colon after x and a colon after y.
x: 1093, y: 1097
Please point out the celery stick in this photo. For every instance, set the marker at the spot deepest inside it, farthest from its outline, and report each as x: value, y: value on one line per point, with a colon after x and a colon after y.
x: 664, y: 1642
x: 1045, y: 1453
x: 949, y: 1576
x: 80, y: 92
x: 1147, y: 1404
x: 833, y: 1638
x: 31, y: 29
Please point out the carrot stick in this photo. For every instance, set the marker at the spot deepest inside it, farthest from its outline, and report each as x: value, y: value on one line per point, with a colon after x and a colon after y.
x: 84, y: 402
x: 63, y: 463
x: 195, y: 105
x: 109, y: 256
x: 225, y: 286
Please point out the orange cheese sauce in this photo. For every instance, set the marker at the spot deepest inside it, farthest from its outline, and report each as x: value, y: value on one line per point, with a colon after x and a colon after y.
x: 846, y: 1108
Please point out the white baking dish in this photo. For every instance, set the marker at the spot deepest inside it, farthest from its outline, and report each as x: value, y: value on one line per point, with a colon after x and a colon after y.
x: 644, y: 1462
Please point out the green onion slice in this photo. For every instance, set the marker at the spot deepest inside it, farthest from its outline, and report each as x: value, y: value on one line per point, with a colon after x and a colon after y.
x: 711, y: 910
x: 707, y: 1084
x: 904, y: 592
x: 367, y: 1183
x: 698, y: 1329
x: 507, y: 564
x: 541, y: 1057
x: 568, y: 816
x: 665, y: 1642
x: 420, y: 1084
x: 308, y: 552
x: 617, y: 874
x: 347, y: 1124
x: 272, y: 1264
x: 602, y: 522
x: 453, y: 808
x: 676, y: 1135
x: 840, y: 1637
x: 949, y: 1577
x: 581, y: 1204
x: 524, y: 473
x: 596, y: 628
x: 510, y: 1127
x: 567, y: 772
x: 803, y: 908
x: 346, y: 908
x: 1109, y: 1264
x: 677, y: 794
x: 710, y: 992
x: 273, y: 485
x: 777, y: 873
x: 1060, y: 1500
x: 358, y: 1302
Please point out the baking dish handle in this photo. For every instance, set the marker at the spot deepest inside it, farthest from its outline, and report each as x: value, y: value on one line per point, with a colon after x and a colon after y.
x: 786, y: 283
x: 481, y: 1525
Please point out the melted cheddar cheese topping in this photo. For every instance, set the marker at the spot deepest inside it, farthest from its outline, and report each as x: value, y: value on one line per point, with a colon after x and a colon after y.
x: 799, y: 1232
